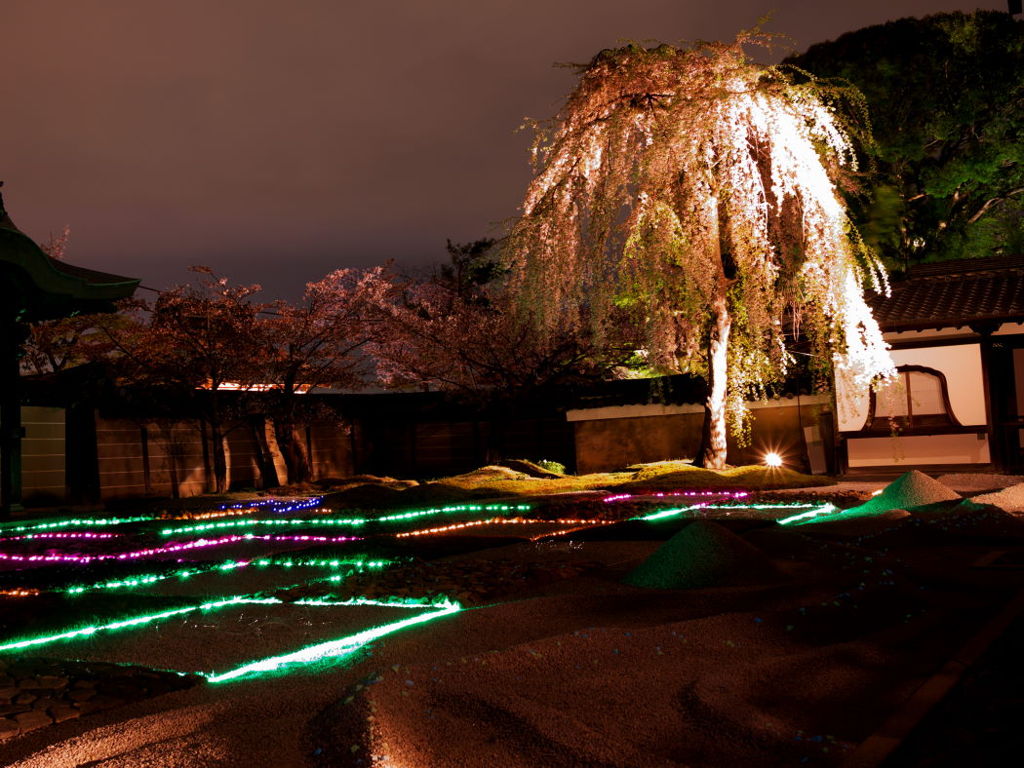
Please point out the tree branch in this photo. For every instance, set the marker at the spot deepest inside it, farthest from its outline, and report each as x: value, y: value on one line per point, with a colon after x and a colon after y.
x: 992, y: 202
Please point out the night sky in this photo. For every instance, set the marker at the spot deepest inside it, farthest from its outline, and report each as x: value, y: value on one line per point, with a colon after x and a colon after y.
x: 276, y: 141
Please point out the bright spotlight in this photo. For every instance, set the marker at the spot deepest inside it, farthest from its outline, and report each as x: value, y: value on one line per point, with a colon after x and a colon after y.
x: 772, y: 459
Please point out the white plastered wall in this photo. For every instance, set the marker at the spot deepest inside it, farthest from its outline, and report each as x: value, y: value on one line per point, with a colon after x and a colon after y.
x: 961, y: 365
x: 917, y: 449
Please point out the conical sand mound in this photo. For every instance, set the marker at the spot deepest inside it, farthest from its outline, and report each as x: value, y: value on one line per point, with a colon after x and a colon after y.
x: 914, y: 489
x: 704, y: 554
x: 1009, y: 499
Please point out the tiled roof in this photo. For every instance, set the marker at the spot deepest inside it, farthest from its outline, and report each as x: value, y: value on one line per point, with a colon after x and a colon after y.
x: 954, y: 294
x: 91, y: 276
x: 35, y: 287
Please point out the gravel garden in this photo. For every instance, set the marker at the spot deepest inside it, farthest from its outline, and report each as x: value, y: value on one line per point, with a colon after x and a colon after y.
x: 686, y: 617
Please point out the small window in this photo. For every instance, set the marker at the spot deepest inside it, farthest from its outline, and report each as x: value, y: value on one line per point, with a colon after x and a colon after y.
x: 917, y: 399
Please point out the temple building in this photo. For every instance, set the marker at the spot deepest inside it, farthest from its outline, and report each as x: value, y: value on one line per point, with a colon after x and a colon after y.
x: 956, y: 329
x: 36, y: 287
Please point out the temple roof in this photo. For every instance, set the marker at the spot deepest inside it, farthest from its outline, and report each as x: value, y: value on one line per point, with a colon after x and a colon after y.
x: 34, y: 286
x: 954, y: 294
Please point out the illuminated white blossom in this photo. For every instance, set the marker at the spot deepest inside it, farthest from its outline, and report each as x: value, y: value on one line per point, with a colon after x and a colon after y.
x: 698, y: 191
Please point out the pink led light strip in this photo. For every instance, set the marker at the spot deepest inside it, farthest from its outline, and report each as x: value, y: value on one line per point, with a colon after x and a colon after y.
x: 64, y: 535
x: 169, y: 548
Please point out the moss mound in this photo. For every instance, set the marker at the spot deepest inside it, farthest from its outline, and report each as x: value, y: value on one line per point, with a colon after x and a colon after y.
x: 527, y: 467
x: 703, y: 554
x: 677, y: 474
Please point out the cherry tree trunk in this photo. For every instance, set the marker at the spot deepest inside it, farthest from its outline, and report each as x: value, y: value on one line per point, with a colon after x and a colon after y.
x: 713, y: 440
x: 220, y: 464
x: 293, y: 450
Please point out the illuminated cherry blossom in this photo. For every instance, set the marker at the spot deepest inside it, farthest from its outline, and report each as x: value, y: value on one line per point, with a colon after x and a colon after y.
x: 700, y: 192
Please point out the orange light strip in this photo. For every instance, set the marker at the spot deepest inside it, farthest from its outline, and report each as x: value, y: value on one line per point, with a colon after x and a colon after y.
x: 214, y: 514
x: 591, y: 524
x: 19, y: 592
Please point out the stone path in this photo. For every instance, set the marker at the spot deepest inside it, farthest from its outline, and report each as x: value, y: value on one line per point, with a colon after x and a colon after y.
x: 38, y: 692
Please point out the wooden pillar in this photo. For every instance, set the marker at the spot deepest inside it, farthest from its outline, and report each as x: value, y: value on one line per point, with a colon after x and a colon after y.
x: 12, y: 335
x: 996, y: 377
x: 81, y: 454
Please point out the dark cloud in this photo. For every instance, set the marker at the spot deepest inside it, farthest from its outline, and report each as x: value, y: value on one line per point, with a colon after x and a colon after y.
x: 276, y: 141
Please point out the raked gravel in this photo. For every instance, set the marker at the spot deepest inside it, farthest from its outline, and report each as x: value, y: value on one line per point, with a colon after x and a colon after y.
x: 229, y: 637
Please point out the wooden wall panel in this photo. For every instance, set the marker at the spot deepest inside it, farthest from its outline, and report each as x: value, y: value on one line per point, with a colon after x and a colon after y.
x: 42, y: 455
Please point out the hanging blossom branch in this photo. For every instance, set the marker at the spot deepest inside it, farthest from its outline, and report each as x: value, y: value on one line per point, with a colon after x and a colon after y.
x: 700, y: 191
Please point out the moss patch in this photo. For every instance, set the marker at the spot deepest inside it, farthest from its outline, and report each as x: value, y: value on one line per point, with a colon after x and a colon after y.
x: 667, y: 475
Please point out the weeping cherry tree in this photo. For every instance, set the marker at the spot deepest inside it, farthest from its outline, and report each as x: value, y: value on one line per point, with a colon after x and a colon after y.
x: 697, y: 193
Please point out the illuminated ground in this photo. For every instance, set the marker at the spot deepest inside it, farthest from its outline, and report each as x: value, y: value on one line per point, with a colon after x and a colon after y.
x: 555, y: 661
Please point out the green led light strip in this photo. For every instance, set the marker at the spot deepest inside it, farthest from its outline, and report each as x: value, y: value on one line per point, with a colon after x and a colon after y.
x: 138, y: 621
x: 331, y: 649
x: 666, y: 513
x: 454, y: 509
x: 825, y: 509
x: 76, y: 523
x: 387, y: 602
x: 144, y: 579
x: 324, y: 562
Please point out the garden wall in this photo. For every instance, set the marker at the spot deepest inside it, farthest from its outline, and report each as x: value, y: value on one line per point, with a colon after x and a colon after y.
x: 614, y: 437
x: 330, y: 450
x: 434, y: 448
x: 42, y: 455
x: 161, y: 458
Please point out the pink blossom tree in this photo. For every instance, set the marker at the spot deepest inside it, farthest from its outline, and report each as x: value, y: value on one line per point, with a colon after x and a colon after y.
x: 699, y: 191
x: 186, y: 346
x: 318, y: 342
x: 456, y: 331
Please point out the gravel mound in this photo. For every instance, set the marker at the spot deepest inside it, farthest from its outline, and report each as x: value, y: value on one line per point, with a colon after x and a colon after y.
x: 1009, y: 499
x: 703, y: 554
x: 966, y: 482
x: 914, y: 489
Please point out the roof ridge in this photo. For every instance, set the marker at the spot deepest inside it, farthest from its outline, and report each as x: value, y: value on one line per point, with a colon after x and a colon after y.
x: 959, y: 268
